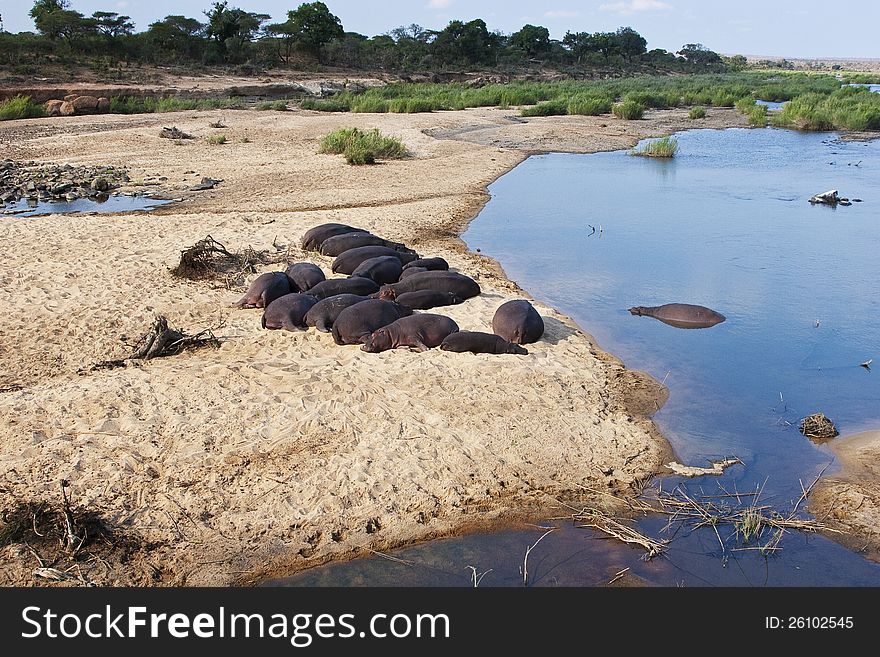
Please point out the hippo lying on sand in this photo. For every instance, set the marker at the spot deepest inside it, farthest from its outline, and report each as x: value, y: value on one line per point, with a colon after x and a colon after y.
x: 355, y: 324
x: 420, y: 332
x: 382, y: 270
x: 478, y: 342
x: 304, y: 276
x: 315, y: 236
x: 264, y: 290
x: 288, y: 312
x: 338, y: 244
x: 349, y: 260
x: 440, y: 281
x: 324, y: 313
x: 681, y: 315
x: 518, y: 322
x: 334, y: 286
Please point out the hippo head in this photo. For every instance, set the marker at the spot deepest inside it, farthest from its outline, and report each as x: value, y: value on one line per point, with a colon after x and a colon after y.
x: 454, y: 298
x: 387, y: 293
x: 378, y: 340
x: 516, y: 349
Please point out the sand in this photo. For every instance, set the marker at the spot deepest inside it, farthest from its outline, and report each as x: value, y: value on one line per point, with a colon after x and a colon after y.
x: 280, y: 451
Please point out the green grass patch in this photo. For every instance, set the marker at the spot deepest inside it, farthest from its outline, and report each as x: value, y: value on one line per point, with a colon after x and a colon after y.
x: 698, y: 112
x: 131, y: 105
x: 362, y: 146
x: 547, y: 108
x: 589, y: 105
x: 758, y: 116
x: 665, y: 147
x: 628, y: 109
x: 326, y: 105
x: 216, y: 139
x: 274, y: 105
x: 848, y: 108
x: 20, y: 107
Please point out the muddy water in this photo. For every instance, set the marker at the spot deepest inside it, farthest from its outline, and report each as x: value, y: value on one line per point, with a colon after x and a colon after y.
x: 725, y: 224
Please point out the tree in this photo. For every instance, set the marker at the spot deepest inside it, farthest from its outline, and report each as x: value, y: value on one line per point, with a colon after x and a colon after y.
x: 232, y: 26
x: 466, y: 44
x: 630, y: 43
x: 111, y: 24
x: 178, y: 36
x: 41, y: 13
x: 605, y: 43
x: 697, y: 53
x: 533, y: 40
x: 310, y: 26
x: 578, y: 43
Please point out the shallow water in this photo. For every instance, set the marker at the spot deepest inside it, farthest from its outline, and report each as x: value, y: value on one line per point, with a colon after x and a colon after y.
x: 113, y: 204
x: 725, y: 224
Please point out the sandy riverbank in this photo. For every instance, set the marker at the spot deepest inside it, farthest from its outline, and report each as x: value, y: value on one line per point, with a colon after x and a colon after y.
x: 281, y: 451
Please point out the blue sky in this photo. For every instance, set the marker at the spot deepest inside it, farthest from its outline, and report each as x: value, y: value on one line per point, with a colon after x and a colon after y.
x: 805, y: 28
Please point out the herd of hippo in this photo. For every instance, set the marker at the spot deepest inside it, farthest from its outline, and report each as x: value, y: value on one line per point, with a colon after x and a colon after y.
x: 374, y: 304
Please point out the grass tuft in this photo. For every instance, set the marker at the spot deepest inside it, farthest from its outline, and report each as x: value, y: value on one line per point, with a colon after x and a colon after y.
x: 628, y: 109
x: 665, y: 147
x: 20, y: 107
x: 698, y: 112
x: 362, y: 147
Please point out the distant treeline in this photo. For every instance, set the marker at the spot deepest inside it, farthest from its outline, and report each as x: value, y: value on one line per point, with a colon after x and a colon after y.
x: 312, y: 35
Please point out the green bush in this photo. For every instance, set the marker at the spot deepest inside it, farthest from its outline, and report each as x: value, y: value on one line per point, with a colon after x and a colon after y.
x: 758, y: 116
x: 665, y: 147
x: 20, y: 107
x: 547, y: 108
x: 628, y: 109
x: 697, y: 113
x: 362, y: 147
x: 369, y: 104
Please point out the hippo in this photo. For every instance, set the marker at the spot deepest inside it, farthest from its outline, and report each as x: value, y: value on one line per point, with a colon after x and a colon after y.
x: 434, y: 264
x: 288, y: 312
x: 409, y: 271
x: 384, y: 269
x: 681, y: 315
x: 315, y: 236
x: 419, y: 332
x: 264, y: 290
x: 480, y: 343
x: 347, y: 261
x: 338, y: 244
x: 304, y: 276
x: 426, y: 299
x: 439, y: 281
x: 324, y: 313
x: 355, y: 324
x: 517, y: 321
x: 334, y: 286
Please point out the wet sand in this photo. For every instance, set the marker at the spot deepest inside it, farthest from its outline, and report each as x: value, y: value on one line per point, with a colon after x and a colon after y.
x: 280, y: 451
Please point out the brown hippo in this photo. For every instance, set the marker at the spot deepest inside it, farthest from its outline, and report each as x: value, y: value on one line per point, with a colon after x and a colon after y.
x: 304, y: 276
x: 517, y: 321
x: 434, y: 264
x: 264, y: 290
x: 288, y: 312
x: 409, y: 271
x: 348, y: 261
x: 426, y: 299
x: 314, y: 237
x: 480, y: 343
x: 384, y: 269
x: 419, y: 332
x: 324, y: 313
x: 355, y: 323
x: 338, y: 244
x: 439, y: 281
x: 334, y: 286
x: 681, y: 315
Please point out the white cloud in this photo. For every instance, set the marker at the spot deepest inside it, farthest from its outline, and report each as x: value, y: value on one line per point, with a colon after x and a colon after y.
x: 561, y: 13
x: 633, y: 6
x: 439, y: 4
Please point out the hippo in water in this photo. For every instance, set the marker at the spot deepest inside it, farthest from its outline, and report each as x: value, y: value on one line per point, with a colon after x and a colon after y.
x: 355, y: 324
x: 315, y: 236
x: 517, y: 321
x: 681, y: 315
x: 349, y: 260
x: 304, y: 276
x: 338, y: 244
x: 478, y: 342
x: 334, y: 286
x: 419, y: 332
x: 288, y: 312
x: 439, y: 281
x: 264, y: 290
x: 382, y: 270
x: 324, y: 313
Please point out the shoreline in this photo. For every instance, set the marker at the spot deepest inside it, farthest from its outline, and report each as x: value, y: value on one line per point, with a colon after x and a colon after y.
x: 207, y: 507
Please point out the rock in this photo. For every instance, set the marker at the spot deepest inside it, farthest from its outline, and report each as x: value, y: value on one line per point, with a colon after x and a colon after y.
x: 70, y: 97
x: 53, y: 107
x: 85, y: 104
x: 828, y: 198
x: 207, y: 183
x: 100, y: 184
x: 67, y: 109
x: 103, y: 105
x: 174, y: 133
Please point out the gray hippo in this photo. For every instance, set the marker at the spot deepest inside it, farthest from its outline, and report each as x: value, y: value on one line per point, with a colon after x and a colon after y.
x: 314, y: 237
x: 384, y: 269
x: 480, y: 343
x: 304, y: 276
x: 420, y: 332
x: 409, y: 271
x: 681, y: 315
x: 324, y: 313
x: 357, y: 322
x: 426, y: 299
x: 439, y: 281
x: 348, y: 261
x: 288, y: 312
x: 434, y: 264
x: 333, y: 286
x: 338, y: 244
x: 518, y: 322
x: 264, y: 290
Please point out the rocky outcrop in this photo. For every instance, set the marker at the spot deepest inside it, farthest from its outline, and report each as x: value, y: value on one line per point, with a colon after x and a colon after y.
x: 74, y: 104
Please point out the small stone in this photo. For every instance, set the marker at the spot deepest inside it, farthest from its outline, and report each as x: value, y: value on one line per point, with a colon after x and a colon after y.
x: 100, y: 184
